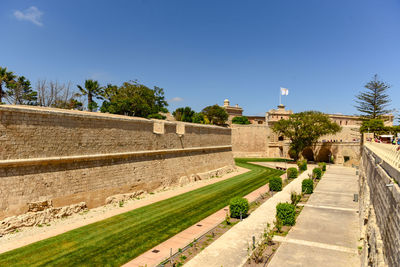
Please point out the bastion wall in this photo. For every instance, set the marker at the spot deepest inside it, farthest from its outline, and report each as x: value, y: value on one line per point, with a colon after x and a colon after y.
x: 73, y: 156
x: 379, y: 211
x: 250, y: 140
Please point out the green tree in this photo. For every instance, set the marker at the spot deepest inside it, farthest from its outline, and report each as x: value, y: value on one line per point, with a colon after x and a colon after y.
x: 240, y: 120
x: 184, y: 114
x: 109, y: 91
x: 92, y: 90
x: 374, y: 101
x: 304, y: 129
x: 373, y: 126
x: 199, y: 118
x: 215, y: 114
x: 19, y: 92
x: 5, y: 78
x: 135, y: 99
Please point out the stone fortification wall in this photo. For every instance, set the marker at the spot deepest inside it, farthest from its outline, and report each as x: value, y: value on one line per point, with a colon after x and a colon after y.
x: 250, y: 140
x: 73, y: 156
x: 379, y: 212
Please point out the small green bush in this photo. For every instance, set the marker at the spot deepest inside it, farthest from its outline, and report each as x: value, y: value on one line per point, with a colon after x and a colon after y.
x: 292, y: 173
x: 286, y: 213
x: 302, y: 164
x: 307, y: 186
x: 237, y: 205
x: 317, y: 173
x: 322, y: 165
x: 275, y: 184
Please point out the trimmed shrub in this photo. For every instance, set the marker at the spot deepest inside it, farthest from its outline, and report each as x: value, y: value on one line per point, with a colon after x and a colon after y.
x: 302, y: 164
x: 317, y: 173
x: 286, y: 213
x: 292, y: 173
x: 237, y: 205
x: 322, y: 165
x: 307, y: 186
x: 275, y: 184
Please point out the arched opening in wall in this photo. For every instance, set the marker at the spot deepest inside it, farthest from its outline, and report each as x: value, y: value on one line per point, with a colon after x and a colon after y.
x: 324, y: 154
x: 280, y: 138
x: 308, y: 154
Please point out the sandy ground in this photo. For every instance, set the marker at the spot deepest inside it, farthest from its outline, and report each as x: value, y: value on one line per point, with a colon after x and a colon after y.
x: 30, y: 235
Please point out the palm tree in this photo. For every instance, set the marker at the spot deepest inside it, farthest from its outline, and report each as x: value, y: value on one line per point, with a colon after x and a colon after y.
x: 5, y: 78
x: 92, y: 89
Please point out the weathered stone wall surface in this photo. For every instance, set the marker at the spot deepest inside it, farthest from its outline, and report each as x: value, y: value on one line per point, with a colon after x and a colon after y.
x: 250, y: 140
x: 72, y: 156
x: 259, y: 141
x: 379, y: 212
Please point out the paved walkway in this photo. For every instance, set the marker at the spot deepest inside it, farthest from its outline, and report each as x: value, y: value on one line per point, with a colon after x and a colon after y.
x: 327, y: 231
x: 182, y: 239
x: 231, y: 249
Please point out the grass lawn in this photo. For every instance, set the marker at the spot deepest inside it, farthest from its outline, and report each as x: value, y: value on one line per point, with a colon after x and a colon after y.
x: 119, y: 239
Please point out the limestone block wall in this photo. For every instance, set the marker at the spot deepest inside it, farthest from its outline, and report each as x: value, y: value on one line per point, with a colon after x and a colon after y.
x: 250, y: 140
x: 379, y: 212
x: 74, y: 156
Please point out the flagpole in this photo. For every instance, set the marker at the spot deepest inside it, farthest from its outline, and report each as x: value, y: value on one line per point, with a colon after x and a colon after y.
x: 280, y: 97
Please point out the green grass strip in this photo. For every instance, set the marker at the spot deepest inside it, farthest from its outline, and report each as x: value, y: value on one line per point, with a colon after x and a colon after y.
x: 119, y: 239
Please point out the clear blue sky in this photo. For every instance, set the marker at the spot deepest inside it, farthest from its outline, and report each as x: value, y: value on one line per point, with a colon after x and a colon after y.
x: 202, y: 52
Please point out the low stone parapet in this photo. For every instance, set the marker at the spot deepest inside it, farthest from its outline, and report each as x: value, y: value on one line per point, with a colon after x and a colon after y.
x: 379, y: 208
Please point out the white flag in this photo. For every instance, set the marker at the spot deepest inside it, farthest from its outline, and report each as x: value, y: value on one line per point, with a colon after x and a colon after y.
x: 284, y: 91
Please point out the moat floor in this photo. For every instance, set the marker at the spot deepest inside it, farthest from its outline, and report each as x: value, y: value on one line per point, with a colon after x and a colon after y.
x: 35, y: 234
x: 327, y: 231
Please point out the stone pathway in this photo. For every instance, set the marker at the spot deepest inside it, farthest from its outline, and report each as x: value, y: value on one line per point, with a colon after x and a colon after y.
x: 327, y: 231
x: 149, y: 258
x: 231, y: 249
